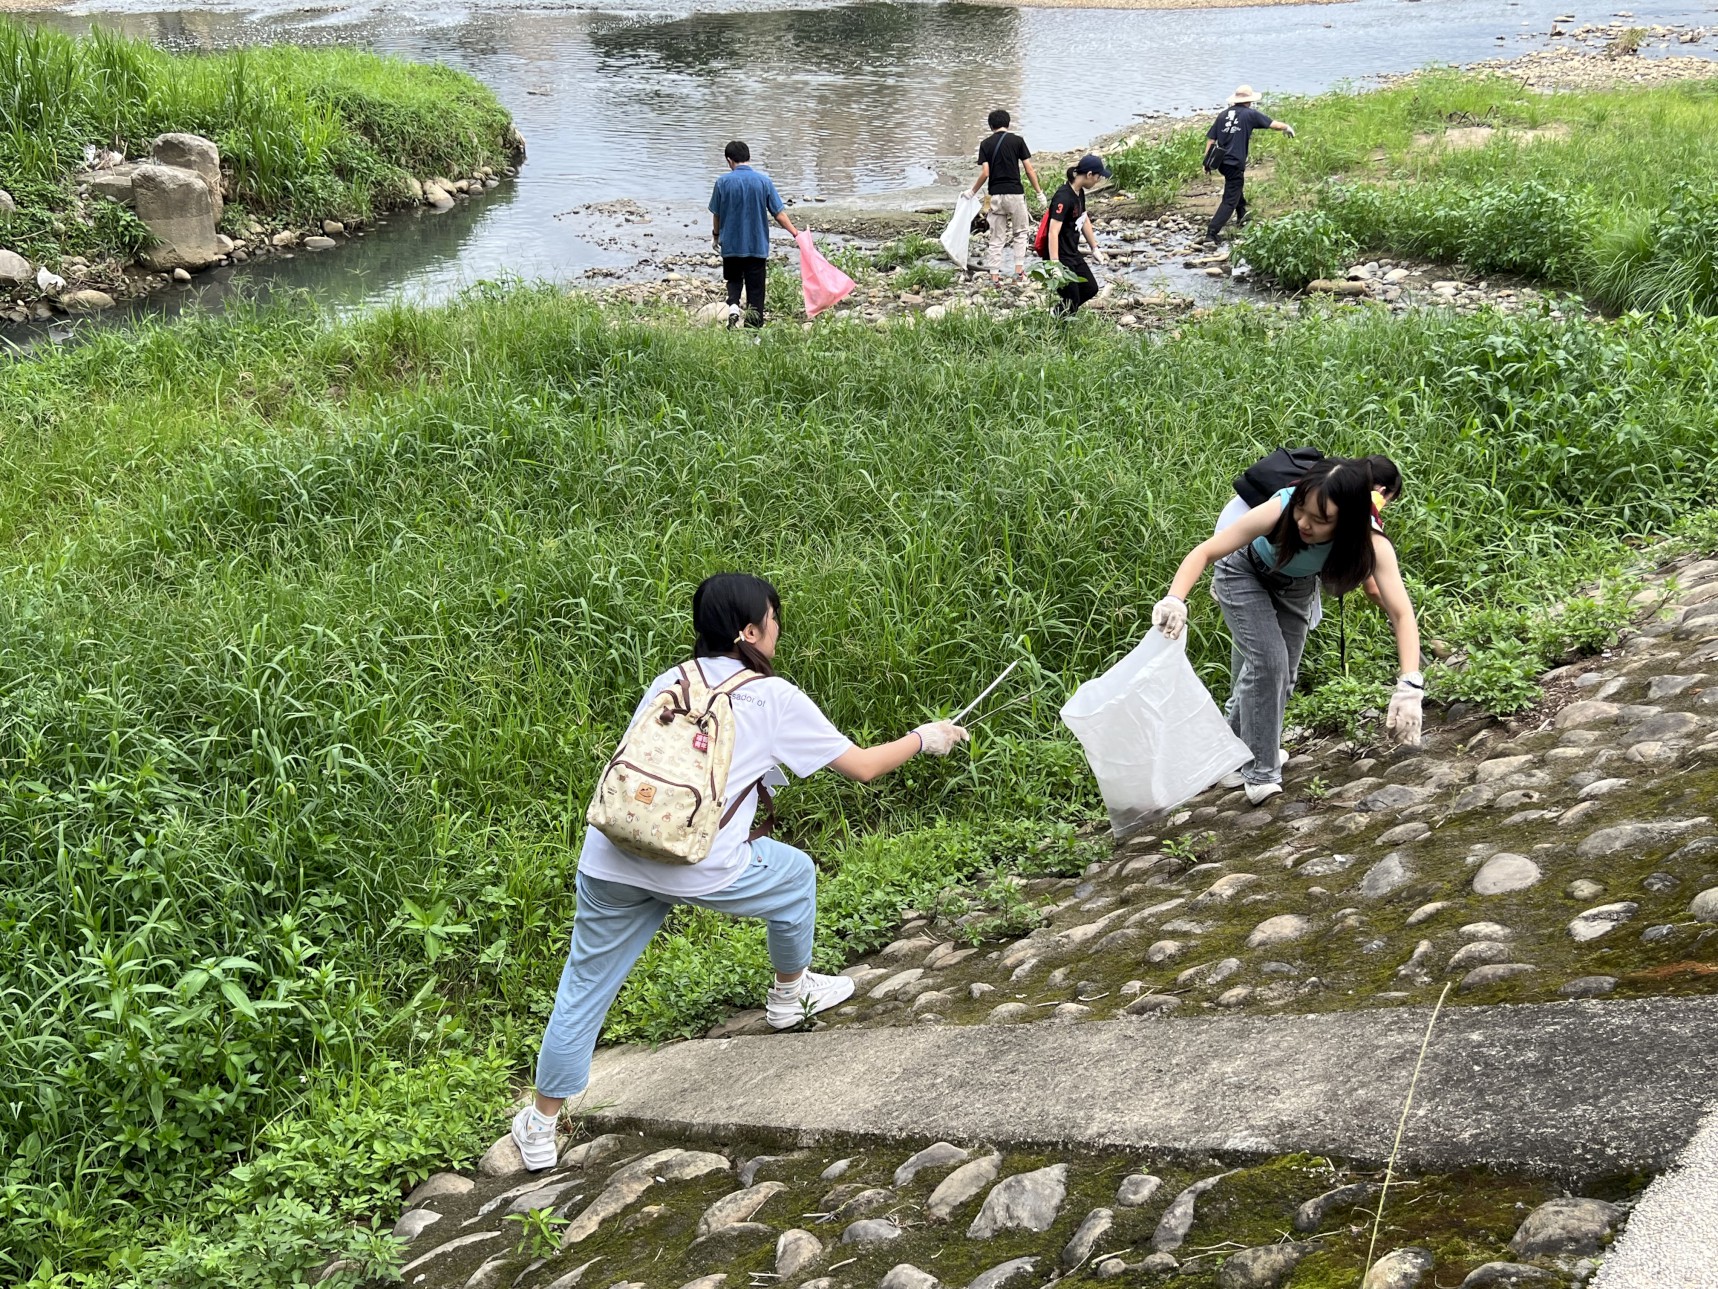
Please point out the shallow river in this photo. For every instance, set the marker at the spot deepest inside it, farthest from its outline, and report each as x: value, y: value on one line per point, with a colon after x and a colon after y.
x: 870, y: 102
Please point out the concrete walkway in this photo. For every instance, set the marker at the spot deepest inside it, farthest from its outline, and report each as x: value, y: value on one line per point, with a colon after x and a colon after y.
x: 1672, y: 1237
x: 1581, y: 1088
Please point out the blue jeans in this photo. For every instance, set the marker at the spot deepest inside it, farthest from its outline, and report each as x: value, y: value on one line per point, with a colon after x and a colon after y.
x: 614, y: 923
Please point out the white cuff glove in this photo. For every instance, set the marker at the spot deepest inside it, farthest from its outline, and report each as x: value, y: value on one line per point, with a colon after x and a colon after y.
x: 1170, y: 616
x: 1289, y: 130
x: 939, y: 737
x: 1405, y: 718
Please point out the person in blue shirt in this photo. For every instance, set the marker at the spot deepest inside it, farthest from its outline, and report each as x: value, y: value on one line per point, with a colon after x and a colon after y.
x: 1269, y: 565
x: 741, y: 207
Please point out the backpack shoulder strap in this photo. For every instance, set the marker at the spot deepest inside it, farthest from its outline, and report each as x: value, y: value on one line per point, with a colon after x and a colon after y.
x: 739, y: 680
x: 692, y: 685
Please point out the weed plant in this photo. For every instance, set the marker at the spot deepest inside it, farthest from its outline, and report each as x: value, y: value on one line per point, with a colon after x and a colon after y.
x: 307, y: 134
x: 313, y: 636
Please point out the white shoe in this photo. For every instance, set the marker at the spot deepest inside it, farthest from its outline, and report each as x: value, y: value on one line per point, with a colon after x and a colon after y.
x: 790, y: 1005
x: 534, y: 1134
x: 734, y: 316
x: 1259, y: 793
x: 1236, y: 781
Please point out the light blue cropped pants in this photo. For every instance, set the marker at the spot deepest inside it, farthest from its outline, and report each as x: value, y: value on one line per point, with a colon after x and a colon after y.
x: 614, y: 923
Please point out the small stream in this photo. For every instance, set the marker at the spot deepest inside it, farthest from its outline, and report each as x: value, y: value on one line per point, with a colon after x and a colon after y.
x: 867, y: 103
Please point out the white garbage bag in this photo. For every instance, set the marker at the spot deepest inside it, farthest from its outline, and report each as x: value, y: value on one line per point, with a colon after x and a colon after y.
x: 1151, y: 733
x: 958, y: 234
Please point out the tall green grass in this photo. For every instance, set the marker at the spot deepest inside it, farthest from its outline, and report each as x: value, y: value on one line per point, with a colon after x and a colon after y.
x: 307, y: 134
x: 1606, y: 191
x: 312, y: 637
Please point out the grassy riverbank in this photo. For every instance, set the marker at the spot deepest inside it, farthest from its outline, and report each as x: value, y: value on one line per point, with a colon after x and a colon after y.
x: 304, y: 134
x: 1611, y: 192
x: 313, y: 636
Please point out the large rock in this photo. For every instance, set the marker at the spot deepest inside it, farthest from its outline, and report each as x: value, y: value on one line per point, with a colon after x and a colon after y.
x: 1177, y: 1219
x: 960, y: 1186
x: 795, y: 1251
x: 1559, y: 1226
x: 1479, y: 954
x: 739, y: 1206
x: 502, y: 1159
x: 1310, y: 1215
x: 1137, y: 1190
x: 194, y: 153
x: 1503, y: 873
x: 1097, y: 1225
x: 1704, y: 907
x: 1004, y: 1274
x: 1403, y: 1269
x: 437, y: 1186
x: 1601, y: 921
x: 1279, y: 930
x: 939, y: 1155
x: 414, y: 1223
x: 1266, y: 1267
x: 1389, y: 874
x: 1509, y: 1275
x: 1634, y: 836
x: 1023, y: 1202
x: 907, y: 1276
x: 873, y: 1230
x: 15, y: 270
x: 87, y: 300
x: 179, y: 211
x: 113, y: 184
x: 7, y: 205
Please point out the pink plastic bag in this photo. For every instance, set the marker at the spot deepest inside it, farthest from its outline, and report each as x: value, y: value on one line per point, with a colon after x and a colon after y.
x: 825, y: 286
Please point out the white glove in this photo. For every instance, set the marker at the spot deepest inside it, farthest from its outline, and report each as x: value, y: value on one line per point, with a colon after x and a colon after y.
x: 939, y: 737
x: 1289, y: 130
x: 1404, y: 719
x: 1100, y: 257
x: 1170, y: 616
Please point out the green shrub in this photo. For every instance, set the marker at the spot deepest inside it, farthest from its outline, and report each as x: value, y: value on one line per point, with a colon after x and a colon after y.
x: 1153, y: 171
x: 1668, y: 260
x: 904, y: 251
x: 923, y: 277
x: 1297, y: 248
x: 1526, y: 228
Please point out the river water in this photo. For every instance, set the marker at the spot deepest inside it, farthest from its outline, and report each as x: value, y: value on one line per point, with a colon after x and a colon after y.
x: 842, y: 102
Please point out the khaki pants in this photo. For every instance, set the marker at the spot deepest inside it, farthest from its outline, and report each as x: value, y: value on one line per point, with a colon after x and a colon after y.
x: 1009, y: 219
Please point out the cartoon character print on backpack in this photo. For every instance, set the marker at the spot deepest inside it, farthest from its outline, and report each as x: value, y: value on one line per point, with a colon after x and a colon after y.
x: 664, y: 794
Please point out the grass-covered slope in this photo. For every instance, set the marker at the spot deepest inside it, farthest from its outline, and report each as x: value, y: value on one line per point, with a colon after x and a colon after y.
x: 305, y: 134
x: 1608, y: 191
x: 312, y: 637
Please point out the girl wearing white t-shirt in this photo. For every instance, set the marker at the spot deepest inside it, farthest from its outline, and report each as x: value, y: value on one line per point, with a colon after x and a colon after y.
x: 623, y: 899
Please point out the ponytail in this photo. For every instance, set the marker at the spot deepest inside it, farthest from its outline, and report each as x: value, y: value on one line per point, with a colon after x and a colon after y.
x: 723, y: 606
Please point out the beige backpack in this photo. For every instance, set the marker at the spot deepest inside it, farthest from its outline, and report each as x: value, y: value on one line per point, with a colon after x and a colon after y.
x: 664, y: 793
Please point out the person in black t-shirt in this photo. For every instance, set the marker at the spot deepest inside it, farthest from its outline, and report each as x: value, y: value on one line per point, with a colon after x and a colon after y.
x: 1000, y: 159
x: 1067, y: 218
x: 1228, y: 139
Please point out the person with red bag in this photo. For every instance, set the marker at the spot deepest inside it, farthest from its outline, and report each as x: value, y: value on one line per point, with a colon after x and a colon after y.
x: 1059, y: 234
x: 741, y: 206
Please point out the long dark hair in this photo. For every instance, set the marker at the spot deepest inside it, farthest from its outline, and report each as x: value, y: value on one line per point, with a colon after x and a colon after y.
x: 1345, y: 486
x: 726, y: 604
x: 1386, y: 475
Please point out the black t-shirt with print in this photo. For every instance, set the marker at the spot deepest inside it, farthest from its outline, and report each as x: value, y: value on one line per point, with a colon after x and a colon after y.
x: 1069, y: 207
x: 1233, y: 130
x: 1004, y: 152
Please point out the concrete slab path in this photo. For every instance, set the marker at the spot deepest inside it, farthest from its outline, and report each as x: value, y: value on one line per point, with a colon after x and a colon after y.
x: 1672, y: 1237
x: 1582, y: 1088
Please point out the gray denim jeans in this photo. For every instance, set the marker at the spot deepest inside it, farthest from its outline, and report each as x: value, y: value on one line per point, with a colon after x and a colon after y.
x: 1269, y: 617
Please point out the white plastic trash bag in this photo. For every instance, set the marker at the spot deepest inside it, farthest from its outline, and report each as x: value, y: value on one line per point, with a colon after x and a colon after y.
x: 957, y: 236
x: 1152, y: 735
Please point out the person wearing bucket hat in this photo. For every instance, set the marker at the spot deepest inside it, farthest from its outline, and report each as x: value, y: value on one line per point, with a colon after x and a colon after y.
x: 1226, y: 146
x: 1063, y: 223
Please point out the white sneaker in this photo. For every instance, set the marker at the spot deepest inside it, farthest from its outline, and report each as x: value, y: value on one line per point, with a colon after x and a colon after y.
x: 1259, y: 793
x: 534, y: 1134
x: 790, y: 1005
x: 734, y: 316
x: 1236, y: 781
